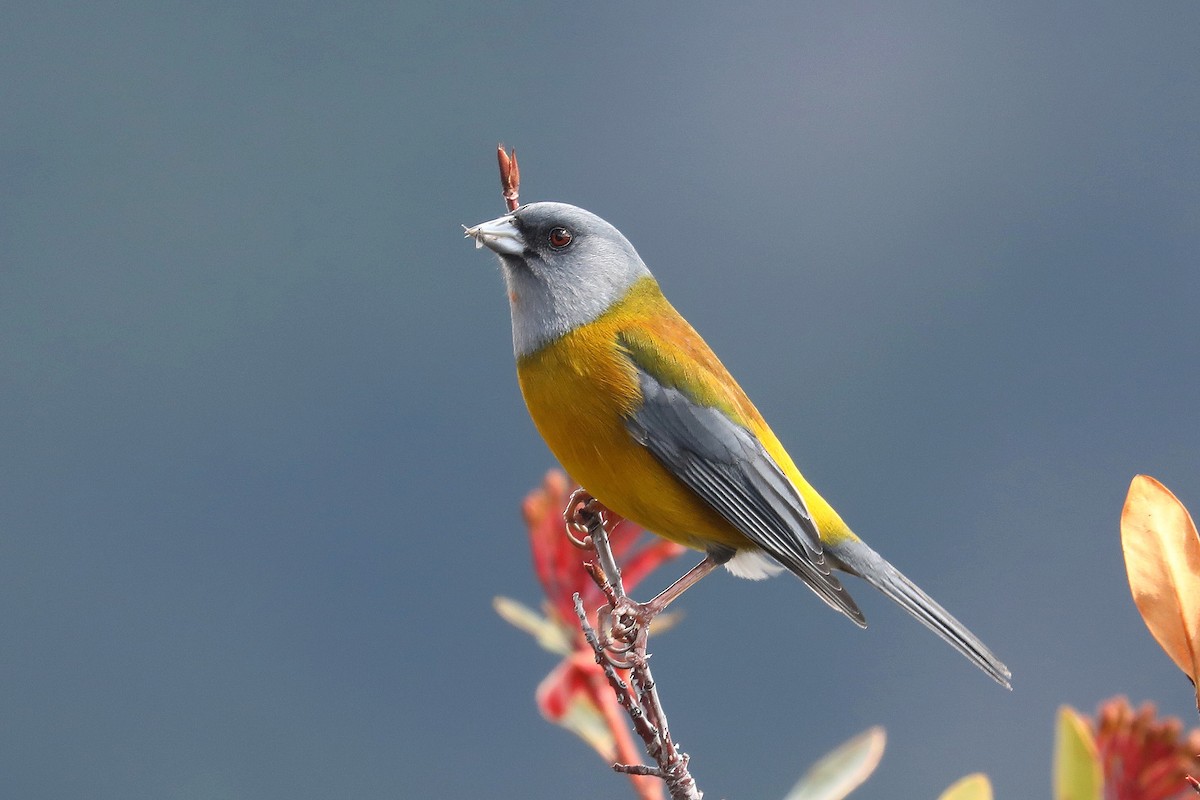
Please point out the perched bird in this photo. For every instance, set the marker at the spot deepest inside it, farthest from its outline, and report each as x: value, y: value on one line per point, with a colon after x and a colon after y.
x: 640, y: 411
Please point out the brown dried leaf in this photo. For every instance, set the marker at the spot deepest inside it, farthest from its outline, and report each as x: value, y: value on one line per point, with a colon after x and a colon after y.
x: 1162, y: 559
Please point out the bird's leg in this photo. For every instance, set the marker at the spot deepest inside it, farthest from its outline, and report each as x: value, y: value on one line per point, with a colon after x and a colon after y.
x: 629, y: 613
x: 685, y: 582
x: 624, y: 622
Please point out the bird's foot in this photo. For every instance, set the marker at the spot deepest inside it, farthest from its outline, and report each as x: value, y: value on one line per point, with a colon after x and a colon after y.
x: 582, y: 514
x: 624, y: 626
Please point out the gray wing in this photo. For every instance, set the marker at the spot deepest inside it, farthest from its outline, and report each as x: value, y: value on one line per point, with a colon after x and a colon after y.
x: 729, y: 469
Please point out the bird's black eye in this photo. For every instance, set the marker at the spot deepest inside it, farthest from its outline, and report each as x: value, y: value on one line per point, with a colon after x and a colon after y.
x: 560, y: 238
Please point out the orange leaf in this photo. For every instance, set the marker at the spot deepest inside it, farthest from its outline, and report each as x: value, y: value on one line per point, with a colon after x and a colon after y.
x: 1162, y: 559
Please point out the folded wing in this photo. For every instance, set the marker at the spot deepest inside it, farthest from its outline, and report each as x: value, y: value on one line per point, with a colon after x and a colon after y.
x: 728, y: 468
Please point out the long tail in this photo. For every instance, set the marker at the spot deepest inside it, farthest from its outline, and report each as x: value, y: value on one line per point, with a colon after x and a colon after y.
x: 855, y: 557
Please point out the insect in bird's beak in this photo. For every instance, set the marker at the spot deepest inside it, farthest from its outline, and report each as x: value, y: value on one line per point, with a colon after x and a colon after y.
x: 500, y: 235
x: 472, y: 233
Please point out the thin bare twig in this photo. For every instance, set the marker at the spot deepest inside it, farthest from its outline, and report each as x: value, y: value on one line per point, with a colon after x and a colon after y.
x: 621, y: 645
x: 510, y: 177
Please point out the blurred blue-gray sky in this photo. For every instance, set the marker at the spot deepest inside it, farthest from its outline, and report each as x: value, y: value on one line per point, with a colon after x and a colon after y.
x: 262, y: 450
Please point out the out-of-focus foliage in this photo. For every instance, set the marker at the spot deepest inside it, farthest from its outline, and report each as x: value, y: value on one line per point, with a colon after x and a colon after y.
x: 842, y: 770
x: 1077, y: 772
x: 972, y: 787
x: 1162, y: 559
x: 1142, y: 756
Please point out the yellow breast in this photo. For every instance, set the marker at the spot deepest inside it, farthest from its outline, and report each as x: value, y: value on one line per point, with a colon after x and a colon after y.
x: 581, y: 388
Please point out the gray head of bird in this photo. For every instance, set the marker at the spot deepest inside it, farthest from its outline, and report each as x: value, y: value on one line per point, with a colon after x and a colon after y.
x: 563, y: 267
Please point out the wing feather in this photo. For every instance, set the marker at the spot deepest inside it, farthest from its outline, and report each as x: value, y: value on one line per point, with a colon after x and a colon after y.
x: 727, y: 467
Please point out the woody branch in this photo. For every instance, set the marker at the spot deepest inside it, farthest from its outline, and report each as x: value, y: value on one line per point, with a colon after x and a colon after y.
x: 620, y: 648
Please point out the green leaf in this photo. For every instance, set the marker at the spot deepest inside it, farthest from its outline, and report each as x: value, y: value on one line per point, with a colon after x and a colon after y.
x: 1077, y: 772
x: 842, y: 771
x: 973, y: 787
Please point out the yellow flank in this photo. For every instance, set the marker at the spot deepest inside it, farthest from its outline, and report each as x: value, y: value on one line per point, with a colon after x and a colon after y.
x: 581, y: 388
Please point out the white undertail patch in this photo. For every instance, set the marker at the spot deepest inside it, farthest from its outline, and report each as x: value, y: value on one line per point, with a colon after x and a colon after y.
x: 753, y: 564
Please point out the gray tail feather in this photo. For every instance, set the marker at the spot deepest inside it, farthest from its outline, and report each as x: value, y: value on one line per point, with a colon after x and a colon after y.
x: 857, y: 558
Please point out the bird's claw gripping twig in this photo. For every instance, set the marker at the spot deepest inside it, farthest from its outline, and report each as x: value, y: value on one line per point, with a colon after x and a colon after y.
x: 582, y: 515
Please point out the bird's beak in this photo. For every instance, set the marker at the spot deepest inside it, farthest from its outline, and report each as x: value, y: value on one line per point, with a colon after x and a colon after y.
x: 500, y: 235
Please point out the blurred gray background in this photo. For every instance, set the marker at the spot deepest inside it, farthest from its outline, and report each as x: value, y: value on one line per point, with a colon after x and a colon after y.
x: 262, y: 449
